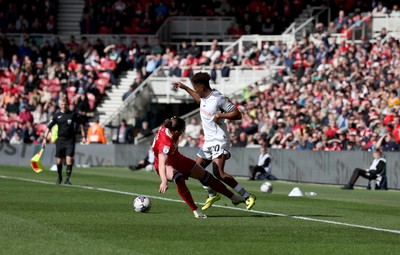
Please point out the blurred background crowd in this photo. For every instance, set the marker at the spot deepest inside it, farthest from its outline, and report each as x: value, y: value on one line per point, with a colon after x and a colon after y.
x: 327, y: 95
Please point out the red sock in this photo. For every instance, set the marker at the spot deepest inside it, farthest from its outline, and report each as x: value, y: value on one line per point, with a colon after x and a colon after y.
x: 185, y: 194
x: 219, y: 187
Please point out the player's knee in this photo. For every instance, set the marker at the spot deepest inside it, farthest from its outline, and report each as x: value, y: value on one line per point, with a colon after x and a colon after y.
x: 176, y: 177
x: 217, y: 174
x: 206, y: 179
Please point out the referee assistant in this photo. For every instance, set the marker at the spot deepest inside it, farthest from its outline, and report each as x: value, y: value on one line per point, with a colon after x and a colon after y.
x: 65, y: 143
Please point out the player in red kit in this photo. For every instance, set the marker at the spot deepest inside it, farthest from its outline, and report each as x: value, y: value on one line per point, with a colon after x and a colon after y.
x: 171, y: 165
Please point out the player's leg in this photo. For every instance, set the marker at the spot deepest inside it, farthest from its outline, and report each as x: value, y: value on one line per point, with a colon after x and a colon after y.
x: 59, y: 162
x: 179, y: 179
x: 209, y: 180
x: 204, y: 159
x: 219, y: 172
x: 70, y: 160
x: 60, y: 156
x: 354, y: 177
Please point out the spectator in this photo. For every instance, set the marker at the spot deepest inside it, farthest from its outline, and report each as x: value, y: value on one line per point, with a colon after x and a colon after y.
x: 13, y: 106
x: 25, y: 115
x: 379, y: 9
x: 108, y: 65
x: 145, y: 130
x: 377, y: 168
x: 30, y: 135
x: 16, y: 139
x: 395, y: 11
x: 193, y: 129
x: 124, y: 132
x: 128, y: 93
x: 262, y: 170
x: 95, y: 133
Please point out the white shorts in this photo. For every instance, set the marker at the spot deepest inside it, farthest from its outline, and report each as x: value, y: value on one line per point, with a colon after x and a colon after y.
x: 213, y: 149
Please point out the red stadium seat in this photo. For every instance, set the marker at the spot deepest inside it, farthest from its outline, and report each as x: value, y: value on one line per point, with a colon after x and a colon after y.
x: 71, y: 90
x: 4, y: 118
x: 92, y: 100
x: 54, y: 81
x: 105, y: 76
x: 43, y: 82
x: 101, y: 84
x: 104, y: 30
x: 40, y: 128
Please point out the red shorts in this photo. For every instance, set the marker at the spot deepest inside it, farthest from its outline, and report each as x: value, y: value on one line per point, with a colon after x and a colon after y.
x: 182, y: 164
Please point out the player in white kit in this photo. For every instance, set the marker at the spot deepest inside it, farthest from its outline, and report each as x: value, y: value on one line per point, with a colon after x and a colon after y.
x: 214, y: 109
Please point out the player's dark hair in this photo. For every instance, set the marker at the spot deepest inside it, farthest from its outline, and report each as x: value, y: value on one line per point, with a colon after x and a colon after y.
x: 201, y: 78
x: 175, y: 124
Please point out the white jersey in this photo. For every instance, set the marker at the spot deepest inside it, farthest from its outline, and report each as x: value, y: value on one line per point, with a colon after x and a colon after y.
x: 213, y: 104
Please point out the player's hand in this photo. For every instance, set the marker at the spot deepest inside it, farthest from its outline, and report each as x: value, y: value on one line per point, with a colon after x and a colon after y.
x: 163, y: 187
x: 44, y: 143
x: 178, y: 85
x: 84, y: 140
x: 217, y: 119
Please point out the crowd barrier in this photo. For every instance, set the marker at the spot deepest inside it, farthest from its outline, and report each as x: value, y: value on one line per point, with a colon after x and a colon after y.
x: 328, y: 167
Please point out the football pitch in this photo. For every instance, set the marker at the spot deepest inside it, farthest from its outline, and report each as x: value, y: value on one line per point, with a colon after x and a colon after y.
x: 95, y: 216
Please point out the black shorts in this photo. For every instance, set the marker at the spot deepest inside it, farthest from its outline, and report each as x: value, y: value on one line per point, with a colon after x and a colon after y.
x: 65, y: 148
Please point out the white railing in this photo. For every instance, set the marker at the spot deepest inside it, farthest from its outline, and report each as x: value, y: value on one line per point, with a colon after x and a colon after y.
x: 390, y: 23
x: 302, y: 28
x: 247, y: 40
x: 158, y: 87
x: 355, y: 32
x: 107, y: 39
x: 192, y: 27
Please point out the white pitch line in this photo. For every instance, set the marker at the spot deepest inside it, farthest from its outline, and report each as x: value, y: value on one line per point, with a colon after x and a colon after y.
x: 219, y: 206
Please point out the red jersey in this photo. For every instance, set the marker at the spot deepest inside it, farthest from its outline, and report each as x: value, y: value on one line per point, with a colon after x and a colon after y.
x: 164, y: 143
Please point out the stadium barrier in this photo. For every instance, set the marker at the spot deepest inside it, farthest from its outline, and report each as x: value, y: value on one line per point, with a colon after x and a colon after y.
x: 333, y: 167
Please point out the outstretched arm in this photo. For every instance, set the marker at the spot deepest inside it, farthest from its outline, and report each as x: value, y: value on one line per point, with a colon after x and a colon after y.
x: 162, y: 169
x: 191, y: 92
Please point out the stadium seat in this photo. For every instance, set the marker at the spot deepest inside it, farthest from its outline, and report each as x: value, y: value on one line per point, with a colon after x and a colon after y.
x: 40, y: 128
x: 105, y: 75
x: 92, y: 101
x: 54, y: 81
x: 104, y: 30
x: 43, y: 82
x: 101, y: 84
x: 5, y: 80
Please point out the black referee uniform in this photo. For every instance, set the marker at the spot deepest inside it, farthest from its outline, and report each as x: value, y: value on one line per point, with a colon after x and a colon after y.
x: 65, y: 144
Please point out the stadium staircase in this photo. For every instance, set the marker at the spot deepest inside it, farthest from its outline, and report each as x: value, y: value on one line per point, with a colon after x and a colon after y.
x: 69, y: 17
x: 306, y: 21
x: 113, y: 99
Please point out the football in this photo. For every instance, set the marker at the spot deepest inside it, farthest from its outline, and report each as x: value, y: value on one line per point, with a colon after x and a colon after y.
x: 142, y: 204
x: 266, y: 187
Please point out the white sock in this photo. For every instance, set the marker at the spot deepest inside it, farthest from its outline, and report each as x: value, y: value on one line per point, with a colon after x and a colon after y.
x: 239, y: 188
x: 210, y: 191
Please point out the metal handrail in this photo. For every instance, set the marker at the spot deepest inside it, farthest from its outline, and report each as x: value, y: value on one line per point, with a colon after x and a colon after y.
x: 305, y: 23
x: 356, y: 24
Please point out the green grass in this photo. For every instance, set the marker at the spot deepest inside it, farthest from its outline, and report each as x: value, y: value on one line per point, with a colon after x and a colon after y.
x: 37, y: 218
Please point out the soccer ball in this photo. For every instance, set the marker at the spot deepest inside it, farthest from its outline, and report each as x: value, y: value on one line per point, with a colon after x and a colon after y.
x: 142, y: 204
x: 266, y: 187
x: 149, y: 168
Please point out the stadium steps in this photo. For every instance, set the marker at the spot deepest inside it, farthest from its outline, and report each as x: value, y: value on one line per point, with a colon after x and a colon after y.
x: 113, y: 100
x: 69, y: 16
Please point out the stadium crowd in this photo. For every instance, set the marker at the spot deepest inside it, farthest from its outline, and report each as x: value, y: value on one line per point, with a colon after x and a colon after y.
x: 330, y: 96
x: 145, y: 17
x: 33, y: 77
x: 28, y: 16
